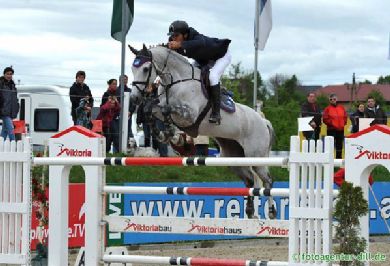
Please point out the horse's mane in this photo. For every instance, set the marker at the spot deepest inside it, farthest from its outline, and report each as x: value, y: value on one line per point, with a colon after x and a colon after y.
x: 175, y: 54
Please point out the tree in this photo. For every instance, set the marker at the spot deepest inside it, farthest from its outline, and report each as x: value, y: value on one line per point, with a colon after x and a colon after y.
x: 378, y: 96
x: 366, y: 82
x: 241, y: 83
x: 322, y: 101
x: 275, y: 83
x: 383, y: 80
x: 350, y: 205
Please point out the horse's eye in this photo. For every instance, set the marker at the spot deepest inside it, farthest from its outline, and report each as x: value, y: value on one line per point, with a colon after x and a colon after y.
x: 146, y: 69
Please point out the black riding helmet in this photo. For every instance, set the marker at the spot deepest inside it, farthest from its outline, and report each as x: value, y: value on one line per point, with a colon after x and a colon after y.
x: 178, y: 26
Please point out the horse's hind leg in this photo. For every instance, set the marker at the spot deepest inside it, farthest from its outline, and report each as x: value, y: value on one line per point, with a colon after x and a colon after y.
x: 231, y: 148
x: 247, y: 176
x: 263, y: 173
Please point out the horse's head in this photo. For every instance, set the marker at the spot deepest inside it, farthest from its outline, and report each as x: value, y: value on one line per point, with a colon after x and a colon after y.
x: 144, y: 73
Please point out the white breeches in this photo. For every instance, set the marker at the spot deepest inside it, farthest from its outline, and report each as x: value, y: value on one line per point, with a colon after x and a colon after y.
x: 219, y: 67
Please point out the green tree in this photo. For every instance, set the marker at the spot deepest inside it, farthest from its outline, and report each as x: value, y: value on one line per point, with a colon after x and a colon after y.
x: 284, y: 121
x: 383, y: 80
x: 241, y: 83
x: 379, y: 99
x: 366, y: 82
x: 349, y: 207
x: 322, y: 101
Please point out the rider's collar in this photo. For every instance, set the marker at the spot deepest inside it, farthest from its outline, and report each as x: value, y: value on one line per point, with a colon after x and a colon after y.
x: 140, y: 60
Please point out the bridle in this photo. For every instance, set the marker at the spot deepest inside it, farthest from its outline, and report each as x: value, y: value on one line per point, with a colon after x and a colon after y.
x: 149, y: 58
x: 146, y: 56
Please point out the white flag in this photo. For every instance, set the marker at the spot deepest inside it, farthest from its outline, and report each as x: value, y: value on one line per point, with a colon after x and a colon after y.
x: 263, y: 22
x: 388, y: 56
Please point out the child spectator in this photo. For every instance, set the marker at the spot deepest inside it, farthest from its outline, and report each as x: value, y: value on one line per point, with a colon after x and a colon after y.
x: 83, y: 113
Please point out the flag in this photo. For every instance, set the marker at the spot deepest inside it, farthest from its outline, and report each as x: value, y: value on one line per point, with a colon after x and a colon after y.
x: 116, y: 21
x: 263, y: 23
x: 388, y: 56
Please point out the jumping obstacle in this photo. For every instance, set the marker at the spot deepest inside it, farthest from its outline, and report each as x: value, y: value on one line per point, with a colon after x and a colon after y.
x: 187, y: 261
x: 306, y: 193
x: 311, y: 194
x: 15, y: 201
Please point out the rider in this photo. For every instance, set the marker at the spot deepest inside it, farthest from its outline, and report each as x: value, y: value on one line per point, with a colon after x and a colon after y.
x: 190, y: 43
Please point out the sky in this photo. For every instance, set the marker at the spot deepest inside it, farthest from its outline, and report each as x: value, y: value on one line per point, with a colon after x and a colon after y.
x: 322, y: 42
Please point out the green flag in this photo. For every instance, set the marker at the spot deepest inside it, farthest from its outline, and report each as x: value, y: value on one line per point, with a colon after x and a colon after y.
x: 116, y: 21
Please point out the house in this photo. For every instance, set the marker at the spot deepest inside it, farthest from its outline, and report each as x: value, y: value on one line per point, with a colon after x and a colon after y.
x: 346, y: 95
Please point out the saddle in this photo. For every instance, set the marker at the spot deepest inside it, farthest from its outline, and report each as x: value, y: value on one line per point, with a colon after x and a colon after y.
x: 227, y: 102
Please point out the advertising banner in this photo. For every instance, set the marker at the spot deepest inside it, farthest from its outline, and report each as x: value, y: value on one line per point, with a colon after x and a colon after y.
x: 76, y: 218
x: 188, y: 206
x: 224, y: 207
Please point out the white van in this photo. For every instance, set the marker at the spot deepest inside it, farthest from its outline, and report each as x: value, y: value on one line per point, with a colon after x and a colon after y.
x: 45, y: 109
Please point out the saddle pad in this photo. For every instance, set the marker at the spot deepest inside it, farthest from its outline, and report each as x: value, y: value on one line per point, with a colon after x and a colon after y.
x: 227, y: 102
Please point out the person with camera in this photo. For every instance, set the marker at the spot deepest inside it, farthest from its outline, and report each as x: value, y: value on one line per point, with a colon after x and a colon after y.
x: 78, y: 91
x: 109, y: 113
x: 83, y: 113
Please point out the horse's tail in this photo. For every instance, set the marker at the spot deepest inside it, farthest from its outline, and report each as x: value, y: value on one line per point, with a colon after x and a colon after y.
x: 271, y: 132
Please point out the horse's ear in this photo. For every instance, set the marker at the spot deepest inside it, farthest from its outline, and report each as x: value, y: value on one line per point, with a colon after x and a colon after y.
x: 133, y: 50
x: 144, y: 47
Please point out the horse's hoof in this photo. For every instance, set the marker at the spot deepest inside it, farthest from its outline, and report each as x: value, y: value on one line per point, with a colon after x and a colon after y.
x: 272, y: 212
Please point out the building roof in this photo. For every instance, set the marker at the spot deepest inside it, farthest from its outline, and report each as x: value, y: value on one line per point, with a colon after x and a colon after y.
x: 308, y: 88
x: 362, y: 90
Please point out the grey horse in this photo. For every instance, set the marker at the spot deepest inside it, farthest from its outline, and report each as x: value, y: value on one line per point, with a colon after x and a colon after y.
x: 243, y: 133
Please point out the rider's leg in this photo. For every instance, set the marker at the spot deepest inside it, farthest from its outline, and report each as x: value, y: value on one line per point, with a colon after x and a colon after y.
x: 215, y: 74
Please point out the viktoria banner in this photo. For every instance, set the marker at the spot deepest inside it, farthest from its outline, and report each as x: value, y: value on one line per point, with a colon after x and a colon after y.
x: 168, y: 207
x: 172, y: 206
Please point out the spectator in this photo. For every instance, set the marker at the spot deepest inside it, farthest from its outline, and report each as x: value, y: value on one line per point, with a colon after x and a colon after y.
x: 359, y: 113
x: 143, y: 111
x: 111, y: 112
x: 374, y: 111
x: 335, y: 118
x: 311, y: 108
x: 149, y: 139
x: 114, y: 124
x: 83, y: 113
x: 111, y: 91
x: 201, y: 145
x: 131, y: 106
x: 78, y: 91
x: 9, y: 105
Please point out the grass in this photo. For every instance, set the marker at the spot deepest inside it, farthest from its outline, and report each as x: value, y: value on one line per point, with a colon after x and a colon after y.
x: 120, y: 174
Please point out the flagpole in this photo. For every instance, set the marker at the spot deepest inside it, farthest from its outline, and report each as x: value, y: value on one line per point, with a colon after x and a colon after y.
x: 122, y: 87
x: 256, y: 39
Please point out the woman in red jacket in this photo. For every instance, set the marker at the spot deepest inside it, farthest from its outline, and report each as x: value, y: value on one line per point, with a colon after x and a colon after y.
x: 108, y: 112
x: 335, y: 118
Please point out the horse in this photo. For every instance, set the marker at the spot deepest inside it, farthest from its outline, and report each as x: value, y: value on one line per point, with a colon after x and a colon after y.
x: 244, y: 133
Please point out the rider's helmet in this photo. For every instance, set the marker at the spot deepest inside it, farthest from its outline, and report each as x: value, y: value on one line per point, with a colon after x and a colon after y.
x: 178, y: 26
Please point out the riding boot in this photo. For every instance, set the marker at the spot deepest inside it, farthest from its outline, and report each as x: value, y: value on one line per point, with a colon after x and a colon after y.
x: 215, y: 93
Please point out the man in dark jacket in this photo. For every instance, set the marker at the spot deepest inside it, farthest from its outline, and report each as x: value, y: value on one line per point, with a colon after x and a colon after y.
x: 190, y: 43
x: 78, y: 91
x: 311, y: 108
x: 131, y: 105
x: 374, y: 111
x: 9, y: 105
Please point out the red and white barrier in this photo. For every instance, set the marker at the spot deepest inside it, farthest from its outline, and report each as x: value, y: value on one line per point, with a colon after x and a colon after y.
x: 310, y: 192
x: 187, y: 261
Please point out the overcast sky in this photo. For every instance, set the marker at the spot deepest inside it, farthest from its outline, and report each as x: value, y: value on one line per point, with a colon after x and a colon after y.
x: 321, y: 41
